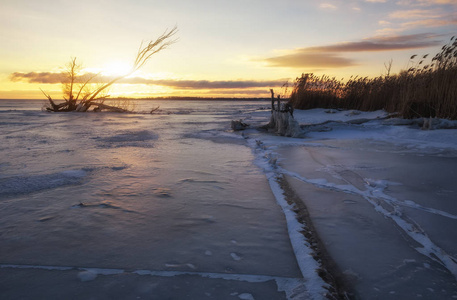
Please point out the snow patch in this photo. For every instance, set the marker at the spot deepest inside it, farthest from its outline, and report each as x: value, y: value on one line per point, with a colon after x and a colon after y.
x: 26, y: 184
x: 235, y: 256
x: 49, y: 268
x: 130, y: 138
x: 102, y: 271
x: 246, y: 296
x: 87, y: 276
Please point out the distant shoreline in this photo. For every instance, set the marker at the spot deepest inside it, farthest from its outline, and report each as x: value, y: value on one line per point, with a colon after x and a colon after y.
x: 194, y: 98
x: 165, y: 99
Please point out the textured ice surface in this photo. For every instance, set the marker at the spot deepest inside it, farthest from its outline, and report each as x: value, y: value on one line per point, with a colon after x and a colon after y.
x: 174, y: 193
x: 171, y: 201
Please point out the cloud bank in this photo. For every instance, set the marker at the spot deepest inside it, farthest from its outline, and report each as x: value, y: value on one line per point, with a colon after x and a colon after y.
x: 309, y: 59
x: 331, y: 56
x: 415, y: 14
x: 38, y: 77
x: 55, y: 78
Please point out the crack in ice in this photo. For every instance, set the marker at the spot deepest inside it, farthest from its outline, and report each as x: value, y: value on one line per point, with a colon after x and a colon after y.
x: 376, y: 196
x: 291, y: 286
x: 314, y: 284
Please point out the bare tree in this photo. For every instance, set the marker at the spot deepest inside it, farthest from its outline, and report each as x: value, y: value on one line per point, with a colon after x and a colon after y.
x: 81, y: 93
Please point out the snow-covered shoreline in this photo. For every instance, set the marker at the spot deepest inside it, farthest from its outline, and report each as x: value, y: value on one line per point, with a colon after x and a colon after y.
x: 329, y: 133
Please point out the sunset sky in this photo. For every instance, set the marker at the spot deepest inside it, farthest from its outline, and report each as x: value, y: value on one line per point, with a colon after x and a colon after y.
x: 236, y: 48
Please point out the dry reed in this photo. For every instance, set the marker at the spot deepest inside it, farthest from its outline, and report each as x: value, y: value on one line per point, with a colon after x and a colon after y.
x: 423, y: 90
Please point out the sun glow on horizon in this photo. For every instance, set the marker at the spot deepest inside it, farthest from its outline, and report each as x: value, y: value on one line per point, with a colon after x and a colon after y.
x: 116, y: 68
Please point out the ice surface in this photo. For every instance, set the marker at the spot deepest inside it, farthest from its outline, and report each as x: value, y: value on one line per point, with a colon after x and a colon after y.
x: 176, y: 197
x: 173, y: 193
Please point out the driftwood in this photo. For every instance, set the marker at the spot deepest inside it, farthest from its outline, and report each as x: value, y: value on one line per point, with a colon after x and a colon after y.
x: 238, y: 125
x: 97, y: 107
x: 100, y: 106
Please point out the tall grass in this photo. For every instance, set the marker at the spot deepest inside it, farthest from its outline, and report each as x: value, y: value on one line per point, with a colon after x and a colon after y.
x: 423, y: 90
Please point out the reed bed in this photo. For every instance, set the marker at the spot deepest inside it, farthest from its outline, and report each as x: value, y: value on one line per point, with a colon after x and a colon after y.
x: 426, y: 89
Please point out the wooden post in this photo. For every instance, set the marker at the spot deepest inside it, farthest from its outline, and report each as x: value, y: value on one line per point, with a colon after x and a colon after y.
x: 272, y: 100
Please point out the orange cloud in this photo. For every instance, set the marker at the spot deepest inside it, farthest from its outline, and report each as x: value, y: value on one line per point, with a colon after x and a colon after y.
x: 56, y: 78
x: 387, y: 43
x: 302, y: 59
x: 414, y: 14
x: 38, y: 77
x: 425, y: 2
x: 328, y: 6
x: 330, y: 56
x: 430, y: 23
x: 424, y: 14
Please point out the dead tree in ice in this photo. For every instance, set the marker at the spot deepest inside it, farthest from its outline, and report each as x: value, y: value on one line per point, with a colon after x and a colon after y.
x: 282, y: 119
x: 81, y: 92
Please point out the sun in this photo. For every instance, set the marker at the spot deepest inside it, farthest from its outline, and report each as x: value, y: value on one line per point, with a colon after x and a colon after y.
x: 117, y: 68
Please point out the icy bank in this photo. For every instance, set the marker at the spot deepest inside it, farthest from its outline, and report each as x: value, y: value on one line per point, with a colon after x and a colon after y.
x: 379, y: 194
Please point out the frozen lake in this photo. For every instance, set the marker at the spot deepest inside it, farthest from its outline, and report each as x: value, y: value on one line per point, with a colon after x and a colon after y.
x: 170, y: 194
x: 176, y: 205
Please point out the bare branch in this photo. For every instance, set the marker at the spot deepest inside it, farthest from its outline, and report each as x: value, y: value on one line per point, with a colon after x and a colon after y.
x: 85, y: 84
x: 153, y: 47
x: 85, y: 97
x: 161, y: 43
x: 47, y: 95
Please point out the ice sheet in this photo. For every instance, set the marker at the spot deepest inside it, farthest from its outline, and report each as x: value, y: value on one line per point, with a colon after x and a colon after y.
x: 178, y: 192
x: 175, y: 191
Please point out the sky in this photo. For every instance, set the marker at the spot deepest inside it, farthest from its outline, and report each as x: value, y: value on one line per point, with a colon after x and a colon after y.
x: 236, y: 48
